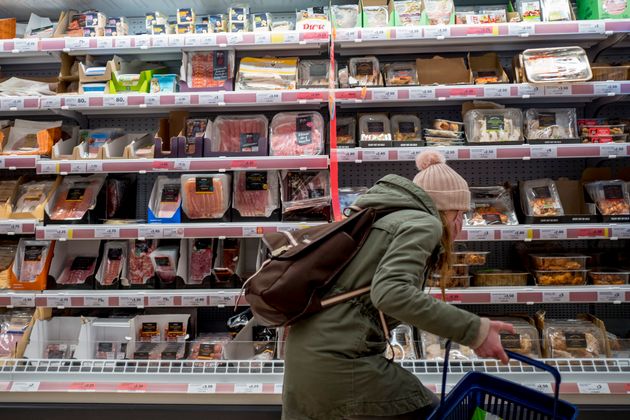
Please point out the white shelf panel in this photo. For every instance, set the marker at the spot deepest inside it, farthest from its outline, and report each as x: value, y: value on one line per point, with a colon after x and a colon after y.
x: 18, y: 226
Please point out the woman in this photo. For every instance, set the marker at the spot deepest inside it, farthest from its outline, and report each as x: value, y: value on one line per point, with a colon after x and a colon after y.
x: 335, y: 367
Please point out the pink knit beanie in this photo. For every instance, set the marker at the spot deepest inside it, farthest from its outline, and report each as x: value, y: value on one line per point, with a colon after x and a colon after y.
x: 446, y: 187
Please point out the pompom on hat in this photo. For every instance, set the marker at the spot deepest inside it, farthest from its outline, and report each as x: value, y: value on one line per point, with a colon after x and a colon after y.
x: 446, y: 187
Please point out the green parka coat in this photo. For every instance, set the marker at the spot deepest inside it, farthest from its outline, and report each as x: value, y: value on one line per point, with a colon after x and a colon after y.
x: 335, y: 364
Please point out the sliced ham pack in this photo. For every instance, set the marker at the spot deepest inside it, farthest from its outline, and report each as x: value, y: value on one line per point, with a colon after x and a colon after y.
x: 206, y: 196
x: 140, y: 272
x: 74, y: 264
x: 76, y: 199
x: 165, y: 201
x: 297, y: 134
x: 113, y: 264
x: 305, y: 195
x: 238, y: 135
x: 256, y: 195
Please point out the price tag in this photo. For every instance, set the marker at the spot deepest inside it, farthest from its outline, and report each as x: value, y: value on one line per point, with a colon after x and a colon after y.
x: 234, y: 38
x: 347, y: 155
x: 497, y: 91
x: 222, y: 300
x: 514, y: 234
x: 150, y: 232
x: 593, y: 388
x: 543, y: 387
x: 375, y: 155
x: 409, y: 32
x: 82, y: 387
x: 175, y: 41
x: 351, y: 34
x: 559, y: 90
x: 96, y: 301
x: 104, y: 42
x: 53, y: 233
x: 438, y: 31
x: 182, y: 99
x: 374, y: 34
x: 277, y: 388
x: 448, y: 153
x: 133, y: 301
x: 161, y: 301
x: 115, y: 100
x: 202, y: 388
x: 262, y: 38
x: 50, y: 102
x: 621, y: 232
x: 194, y: 301
x: 58, y: 301
x: 26, y: 44
x: 181, y: 165
x: 407, y: 155
x: 483, y: 153
x: 142, y: 41
x: 556, y: 297
x: 159, y: 41
x: 94, y: 167
x: 521, y: 29
x: 421, y: 93
x: 48, y: 168
x: 480, y: 235
x: 385, y: 95
x: 78, y: 167
x: 77, y: 43
x: 607, y: 89
x: 211, y: 98
x: 152, y: 100
x: 132, y: 387
x: 24, y: 386
x: 503, y: 297
x: 528, y: 90
x: 107, y: 232
x: 612, y: 149
x: 268, y: 97
x: 123, y: 42
x: 544, y: 152
x: 76, y: 101
x: 611, y: 296
x: 12, y: 104
x: 22, y: 301
x: 7, y: 226
x: 252, y: 231
x: 291, y: 37
x: 548, y: 234
x: 248, y: 388
x: 173, y: 232
x: 591, y: 27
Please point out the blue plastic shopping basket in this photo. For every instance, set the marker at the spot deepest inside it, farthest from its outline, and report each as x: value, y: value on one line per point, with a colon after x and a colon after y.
x: 501, y: 397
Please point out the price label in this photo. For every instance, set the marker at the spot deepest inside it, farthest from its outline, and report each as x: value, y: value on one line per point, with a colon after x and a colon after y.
x: 607, y: 89
x: 375, y: 155
x: 592, y: 27
x: 483, y: 153
x: 222, y: 301
x: 133, y: 301
x: 438, y: 31
x: 558, y: 90
x: 407, y: 155
x: 53, y: 233
x: 175, y: 41
x: 248, y: 388
x: 142, y: 41
x: 234, y: 38
x: 123, y: 42
x: 173, y: 232
x: 76, y: 102
x: 115, y: 100
x: 160, y: 165
x: 50, y: 102
x: 498, y: 91
x: 277, y: 388
x: 479, y: 235
x: 10, y: 227
x: 12, y: 104
x: 268, y: 97
x: 24, y: 386
x: 374, y: 34
x: 107, y: 232
x: 347, y: 155
x: 78, y: 167
x: 543, y: 387
x: 252, y: 231
x: 528, y: 90
x: 612, y: 149
x: 58, y: 301
x: 82, y: 387
x: 544, y: 152
x: 462, y: 92
x: 421, y: 93
x: 194, y: 301
x: 611, y: 296
x: 96, y: 301
x: 593, y: 388
x: 503, y: 297
x: 181, y: 165
x: 556, y: 297
x: 211, y: 98
x: 553, y: 234
x: 152, y: 100
x: 150, y: 232
x: 262, y: 38
x: 409, y: 32
x: 191, y: 40
x: 159, y: 41
x: 514, y: 234
x: 291, y: 37
x: 22, y: 301
x: 183, y: 99
x: 94, y: 167
x: 384, y: 95
x: 161, y: 301
x: 242, y: 164
x: 132, y: 387
x: 77, y: 43
x: 351, y: 34
x: 621, y: 232
x: 104, y: 42
x: 521, y: 29
x: 202, y: 388
x: 26, y: 44
x: 448, y: 153
x: 48, y: 168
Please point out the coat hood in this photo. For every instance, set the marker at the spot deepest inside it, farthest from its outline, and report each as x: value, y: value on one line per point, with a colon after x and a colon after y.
x: 396, y: 192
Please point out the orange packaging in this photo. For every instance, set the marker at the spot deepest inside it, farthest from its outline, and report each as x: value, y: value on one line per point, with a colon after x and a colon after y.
x: 19, y: 271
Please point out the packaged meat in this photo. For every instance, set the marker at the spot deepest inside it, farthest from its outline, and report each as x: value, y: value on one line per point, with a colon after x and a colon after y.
x: 525, y: 338
x: 256, y: 194
x: 494, y: 278
x: 165, y: 198
x: 401, y: 346
x: 346, y: 131
x: 94, y: 140
x: 208, y: 69
x: 225, y: 263
x: 209, y: 346
x: 550, y: 124
x: 201, y: 256
x: 408, y: 12
x: 375, y: 16
x: 490, y: 206
x: 30, y: 137
x: 557, y: 65
x: 107, y: 350
x: 346, y: 16
x: 375, y: 127
x: 530, y: 11
x: 364, y: 71
x: 313, y: 73
x: 240, y: 134
x: 77, y: 270
x: 556, y: 10
x: 439, y: 12
x: 561, y: 262
x: 406, y: 128
x: 573, y: 339
x: 401, y: 74
x: 561, y: 278
x: 609, y: 276
x: 140, y: 265
x: 7, y: 191
x: 30, y: 259
x: 172, y: 351
x: 56, y: 351
x: 494, y: 125
x: 264, y: 343
x: 147, y: 351
x: 7, y: 256
x: 164, y: 261
x: 612, y: 197
x: 268, y: 73
x: 13, y: 324
x: 593, y: 130
x: 114, y: 262
x: 31, y: 195
x: 305, y: 195
x: 433, y: 349
x: 470, y: 257
x: 175, y: 331
x: 476, y: 15
x: 348, y: 195
x: 541, y: 198
x: 297, y: 134
x: 75, y: 197
x: 205, y: 196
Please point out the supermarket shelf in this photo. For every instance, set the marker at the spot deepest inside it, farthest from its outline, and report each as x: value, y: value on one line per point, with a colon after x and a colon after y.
x: 481, y: 152
x: 18, y: 226
x: 166, y: 231
x: 220, y: 164
x: 546, y: 232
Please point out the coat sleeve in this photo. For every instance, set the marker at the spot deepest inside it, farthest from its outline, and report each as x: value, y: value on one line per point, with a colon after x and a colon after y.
x: 396, y: 291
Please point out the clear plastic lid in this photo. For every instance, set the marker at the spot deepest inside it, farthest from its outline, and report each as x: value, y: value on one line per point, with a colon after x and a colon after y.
x: 256, y: 194
x: 305, y: 191
x: 267, y: 73
x: 494, y: 125
x: 76, y: 196
x: 433, y: 348
x: 297, y: 134
x: 525, y: 339
x: 401, y: 344
x: 557, y: 65
x: 364, y: 71
x: 375, y: 127
x: 205, y: 196
x: 561, y: 277
x: 30, y: 259
x: 612, y: 197
x: 406, y: 127
x: 439, y: 12
x: 31, y: 195
x: 541, y: 198
x: 375, y: 16
x: 313, y: 73
x: 409, y: 12
x: 166, y: 197
x: 346, y: 16
x: 401, y: 74
x: 551, y: 124
x: 239, y: 133
x: 491, y: 206
x: 574, y: 339
x: 346, y: 130
x: 556, y: 10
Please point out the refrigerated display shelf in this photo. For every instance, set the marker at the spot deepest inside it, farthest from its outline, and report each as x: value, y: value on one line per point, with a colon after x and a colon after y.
x: 18, y: 226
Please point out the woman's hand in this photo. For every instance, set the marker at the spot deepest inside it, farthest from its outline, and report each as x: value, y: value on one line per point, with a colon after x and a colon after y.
x: 492, y: 347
